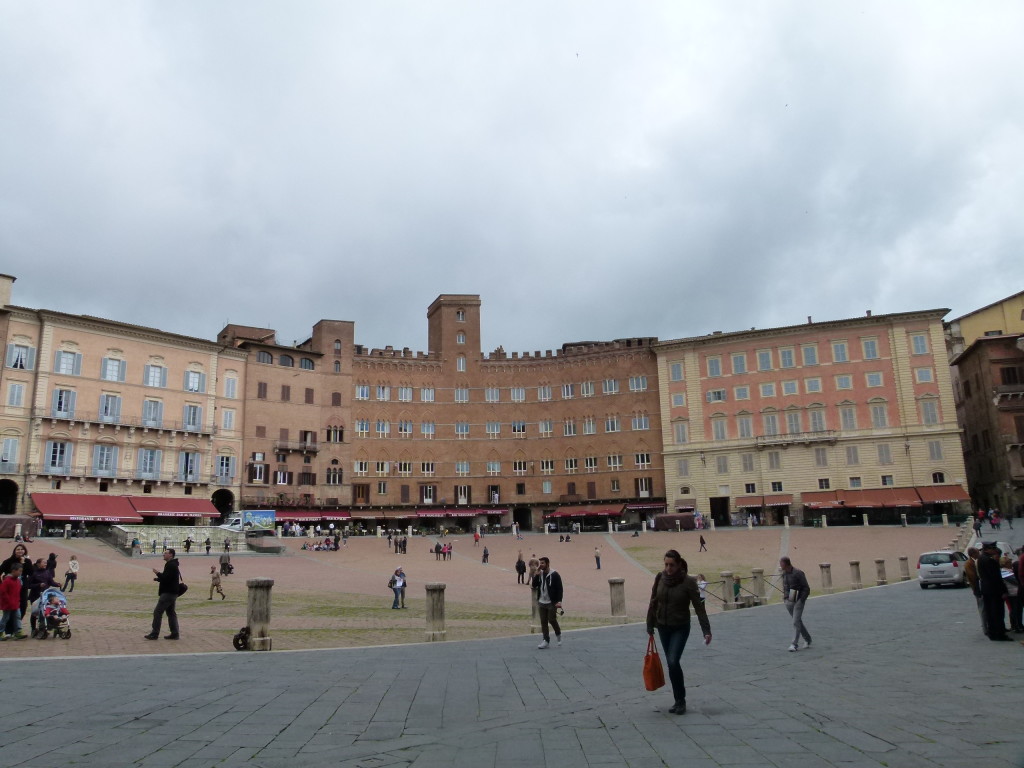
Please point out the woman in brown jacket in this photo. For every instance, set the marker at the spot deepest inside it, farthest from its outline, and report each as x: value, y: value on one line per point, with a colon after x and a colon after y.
x: 673, y: 593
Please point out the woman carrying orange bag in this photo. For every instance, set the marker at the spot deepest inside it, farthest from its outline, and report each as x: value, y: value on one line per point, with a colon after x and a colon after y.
x: 673, y: 593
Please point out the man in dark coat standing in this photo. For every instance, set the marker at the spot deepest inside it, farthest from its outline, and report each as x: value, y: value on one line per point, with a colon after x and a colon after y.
x: 992, y: 590
x: 168, y: 579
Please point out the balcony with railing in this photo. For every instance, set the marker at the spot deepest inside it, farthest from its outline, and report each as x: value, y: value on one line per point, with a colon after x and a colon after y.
x: 303, y: 446
x: 10, y: 468
x: 1008, y: 397
x: 103, y: 419
x: 797, y: 438
x: 140, y: 475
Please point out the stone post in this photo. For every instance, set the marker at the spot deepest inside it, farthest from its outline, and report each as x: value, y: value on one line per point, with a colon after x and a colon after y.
x: 258, y: 613
x: 408, y: 530
x: 677, y: 527
x: 904, y: 568
x: 617, y: 588
x: 534, y: 611
x: 785, y: 521
x: 750, y: 523
x: 826, y: 578
x: 855, y: 582
x: 380, y: 532
x: 711, y: 523
x: 67, y: 532
x: 435, y: 612
x: 903, y: 519
x: 824, y: 521
x: 757, y: 577
x: 611, y: 529
x: 727, y: 603
x: 864, y: 517
x: 643, y: 526
x: 880, y: 568
x: 945, y: 520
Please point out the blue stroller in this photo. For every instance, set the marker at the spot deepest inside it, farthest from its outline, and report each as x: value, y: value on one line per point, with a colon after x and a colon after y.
x: 52, y: 615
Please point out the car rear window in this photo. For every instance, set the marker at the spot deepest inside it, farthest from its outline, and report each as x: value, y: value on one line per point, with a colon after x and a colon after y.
x: 937, y: 558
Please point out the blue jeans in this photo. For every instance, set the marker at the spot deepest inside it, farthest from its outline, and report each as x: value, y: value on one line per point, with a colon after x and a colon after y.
x: 398, y: 595
x: 673, y: 641
x: 11, y: 622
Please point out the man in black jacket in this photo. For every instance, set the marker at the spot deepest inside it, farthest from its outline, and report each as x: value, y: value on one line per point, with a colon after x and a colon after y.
x: 993, y: 588
x: 548, y: 585
x: 168, y: 580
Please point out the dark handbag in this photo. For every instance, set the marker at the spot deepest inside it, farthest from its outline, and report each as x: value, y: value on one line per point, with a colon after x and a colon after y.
x: 654, y: 675
x: 182, y: 588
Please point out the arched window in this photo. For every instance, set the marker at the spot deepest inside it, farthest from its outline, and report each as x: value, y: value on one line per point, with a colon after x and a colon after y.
x: 460, y: 364
x: 460, y: 338
x: 337, y: 366
x: 337, y: 346
x: 306, y: 364
x: 264, y: 357
x: 286, y: 360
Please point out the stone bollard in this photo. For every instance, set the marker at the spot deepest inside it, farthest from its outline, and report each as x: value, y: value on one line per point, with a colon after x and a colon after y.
x: 880, y: 568
x: 435, y: 612
x: 904, y: 568
x: 258, y: 613
x: 826, y: 578
x: 945, y: 520
x: 785, y: 521
x: 855, y: 582
x: 611, y: 529
x: 824, y: 521
x: 711, y: 524
x: 903, y: 519
x: 643, y: 526
x: 750, y: 523
x: 726, y: 586
x: 864, y: 517
x: 757, y: 577
x: 617, y: 588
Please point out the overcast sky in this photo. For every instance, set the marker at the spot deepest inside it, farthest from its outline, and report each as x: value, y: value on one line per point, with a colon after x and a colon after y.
x: 592, y: 170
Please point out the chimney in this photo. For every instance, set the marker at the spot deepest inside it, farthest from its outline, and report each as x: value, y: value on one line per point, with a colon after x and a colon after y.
x: 6, y: 283
x: 868, y: 314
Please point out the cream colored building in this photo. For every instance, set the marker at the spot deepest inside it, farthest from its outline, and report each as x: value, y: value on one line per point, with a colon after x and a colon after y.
x: 1003, y: 317
x: 839, y: 418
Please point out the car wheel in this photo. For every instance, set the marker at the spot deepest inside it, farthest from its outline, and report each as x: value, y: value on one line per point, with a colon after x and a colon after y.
x: 924, y: 586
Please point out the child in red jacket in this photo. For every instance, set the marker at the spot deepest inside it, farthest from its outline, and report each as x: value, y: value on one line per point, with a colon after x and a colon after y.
x: 10, y: 604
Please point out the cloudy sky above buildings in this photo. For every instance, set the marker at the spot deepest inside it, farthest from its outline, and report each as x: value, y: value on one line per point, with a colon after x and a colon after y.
x: 592, y: 170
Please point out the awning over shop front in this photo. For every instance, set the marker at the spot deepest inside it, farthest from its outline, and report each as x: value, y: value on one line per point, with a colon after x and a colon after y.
x: 686, y: 503
x: 939, y: 494
x: 749, y: 502
x: 586, y: 512
x: 645, y: 507
x: 778, y: 499
x: 89, y: 508
x: 899, y: 497
x: 164, y: 507
x: 336, y: 515
x: 820, y: 500
x: 862, y: 499
x: 298, y: 516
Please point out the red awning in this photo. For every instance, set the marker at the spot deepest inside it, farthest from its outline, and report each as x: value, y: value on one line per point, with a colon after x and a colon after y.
x: 820, y: 500
x: 900, y: 497
x: 862, y: 499
x: 585, y: 512
x: 686, y: 503
x: 748, y: 502
x: 336, y: 515
x: 778, y: 500
x: 931, y: 494
x: 297, y: 516
x: 168, y: 507
x: 643, y: 507
x: 90, y: 508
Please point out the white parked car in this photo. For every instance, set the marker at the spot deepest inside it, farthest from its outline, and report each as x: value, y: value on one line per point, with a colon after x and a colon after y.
x: 941, y: 567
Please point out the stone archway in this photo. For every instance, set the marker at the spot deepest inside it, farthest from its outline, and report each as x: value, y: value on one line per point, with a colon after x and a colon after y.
x: 8, y: 497
x: 224, y: 501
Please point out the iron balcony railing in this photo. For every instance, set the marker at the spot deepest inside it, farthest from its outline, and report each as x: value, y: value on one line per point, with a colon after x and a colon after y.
x: 166, y: 425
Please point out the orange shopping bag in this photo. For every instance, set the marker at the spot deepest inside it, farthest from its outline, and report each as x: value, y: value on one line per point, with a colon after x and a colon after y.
x: 654, y: 675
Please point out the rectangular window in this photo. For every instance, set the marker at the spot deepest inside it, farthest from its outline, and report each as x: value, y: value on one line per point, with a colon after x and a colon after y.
x: 544, y: 393
x: 589, y: 425
x: 193, y: 417
x: 610, y: 386
x: 683, y: 467
x: 640, y: 422
x: 611, y: 423
x: 545, y: 486
x: 615, y: 462
x: 768, y: 389
x: 678, y: 400
x: 714, y: 367
x: 360, y: 468
x: 848, y: 417
x: 637, y: 383
x: 148, y: 464
x: 716, y: 396
x: 382, y: 467
x: 110, y: 409
x: 519, y: 467
x: 852, y: 455
x: 567, y: 391
x: 614, y: 485
x: 681, y: 432
x: 870, y: 348
x: 405, y: 394
x: 63, y: 404
x: 104, y: 460
x: 569, y: 428
x: 58, y: 457
x: 821, y: 457
x: 547, y: 466
x: 839, y: 352
x: 817, y: 419
x: 286, y: 393
x: 750, y: 487
x: 884, y: 453
x: 793, y: 425
x: 67, y: 363
x: 362, y: 427
x: 590, y: 463
x: 787, y: 358
x: 383, y: 392
x: 675, y: 371
x: 405, y: 428
x: 855, y: 482
x: 21, y: 357
x: 492, y: 394
x: 810, y: 353
x: 462, y: 394
x: 935, y: 450
x: 823, y: 484
x: 362, y: 391
x: 427, y: 468
x: 112, y: 369
x: 194, y: 381
x: 493, y: 467
x: 462, y: 468
x: 227, y: 419
x: 718, y: 429
x: 722, y: 465
x: 309, y: 396
x: 15, y: 394
x: 427, y: 430
x: 741, y: 393
x: 812, y: 385
x: 546, y: 427
x: 517, y: 394
x: 154, y: 376
x: 405, y: 468
x: 570, y: 466
x: 924, y: 375
x: 776, y: 486
x: 771, y: 424
x: 188, y: 467
x: 587, y: 389
x: 790, y: 387
x: 887, y: 480
x: 873, y: 379
x: 929, y: 412
x: 231, y: 387
x: 152, y: 413
x: 739, y: 363
x: 747, y: 462
x: 426, y: 394
x: 879, y: 416
x: 519, y: 429
x: 774, y: 460
x: 764, y: 359
x: 745, y: 426
x: 844, y: 382
x: 493, y: 429
x: 919, y: 343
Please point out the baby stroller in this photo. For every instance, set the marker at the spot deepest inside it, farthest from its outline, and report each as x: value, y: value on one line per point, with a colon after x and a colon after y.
x: 56, y: 619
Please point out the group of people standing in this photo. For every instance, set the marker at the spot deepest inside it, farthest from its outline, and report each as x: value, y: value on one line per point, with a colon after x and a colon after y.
x: 23, y: 581
x: 986, y: 571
